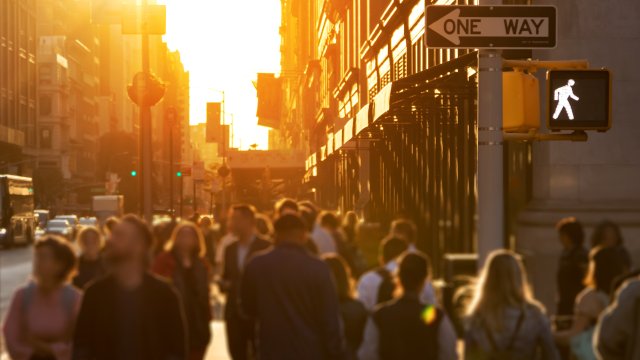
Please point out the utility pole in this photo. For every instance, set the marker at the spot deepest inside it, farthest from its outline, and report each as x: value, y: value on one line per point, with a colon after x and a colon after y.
x: 146, y: 155
x: 490, y: 226
x: 171, y: 117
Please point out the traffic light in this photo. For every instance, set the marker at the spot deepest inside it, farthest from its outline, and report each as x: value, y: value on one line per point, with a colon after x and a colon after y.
x: 579, y: 99
x: 134, y: 173
x: 179, y: 173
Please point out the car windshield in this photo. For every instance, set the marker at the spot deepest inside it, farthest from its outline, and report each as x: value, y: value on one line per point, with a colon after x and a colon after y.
x: 88, y: 221
x: 71, y: 219
x: 58, y: 224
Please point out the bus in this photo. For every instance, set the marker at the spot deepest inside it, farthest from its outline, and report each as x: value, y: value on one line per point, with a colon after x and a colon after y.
x: 17, y: 218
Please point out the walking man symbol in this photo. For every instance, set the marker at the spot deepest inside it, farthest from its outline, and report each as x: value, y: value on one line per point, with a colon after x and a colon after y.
x: 562, y: 95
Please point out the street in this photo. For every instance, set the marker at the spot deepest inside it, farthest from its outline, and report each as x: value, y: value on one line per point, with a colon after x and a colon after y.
x: 15, y: 267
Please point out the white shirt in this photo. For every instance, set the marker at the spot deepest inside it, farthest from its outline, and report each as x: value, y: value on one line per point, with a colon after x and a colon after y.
x: 243, y: 251
x: 370, y: 282
x: 323, y: 240
x: 447, y: 341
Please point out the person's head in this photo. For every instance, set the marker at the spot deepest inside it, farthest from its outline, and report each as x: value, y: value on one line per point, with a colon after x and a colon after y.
x: 264, y: 225
x: 341, y: 275
x: 195, y: 218
x: 90, y: 241
x: 286, y: 206
x: 502, y: 284
x: 242, y: 221
x: 290, y: 229
x: 405, y: 229
x: 130, y: 242
x: 605, y: 265
x: 187, y: 239
x: 329, y: 220
x: 311, y: 207
x: 350, y: 219
x: 54, y: 260
x: 571, y: 82
x: 570, y: 232
x: 413, y: 271
x: 109, y: 224
x: 606, y: 234
x: 391, y: 248
x: 205, y: 222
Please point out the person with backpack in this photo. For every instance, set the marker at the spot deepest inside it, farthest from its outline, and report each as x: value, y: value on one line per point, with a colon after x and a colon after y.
x: 91, y: 264
x: 377, y: 286
x: 505, y: 322
x: 617, y: 335
x: 42, y: 316
x: 406, y: 327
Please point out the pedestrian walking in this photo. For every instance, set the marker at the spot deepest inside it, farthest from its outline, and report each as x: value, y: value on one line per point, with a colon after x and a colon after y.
x: 242, y: 223
x: 41, y: 319
x: 322, y: 239
x: 354, y: 314
x: 617, y: 335
x: 211, y: 239
x: 291, y: 296
x: 130, y: 314
x: 184, y: 263
x: 285, y: 206
x: 406, y: 327
x: 350, y: 226
x: 505, y: 322
x: 378, y: 285
x: 572, y: 267
x: 608, y: 234
x: 604, y: 267
x: 264, y: 226
x: 90, y: 262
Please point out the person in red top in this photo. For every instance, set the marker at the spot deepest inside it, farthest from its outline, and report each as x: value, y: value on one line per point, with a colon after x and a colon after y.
x: 184, y: 263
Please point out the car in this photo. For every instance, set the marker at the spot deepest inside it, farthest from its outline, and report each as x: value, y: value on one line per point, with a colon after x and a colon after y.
x: 88, y: 221
x: 59, y: 227
x: 73, y: 221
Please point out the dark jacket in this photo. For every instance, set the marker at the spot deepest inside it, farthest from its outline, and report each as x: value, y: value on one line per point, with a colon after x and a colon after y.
x: 570, y: 278
x: 232, y: 274
x: 162, y: 322
x: 403, y: 331
x: 88, y: 270
x: 193, y: 287
x: 354, y: 316
x: 291, y: 295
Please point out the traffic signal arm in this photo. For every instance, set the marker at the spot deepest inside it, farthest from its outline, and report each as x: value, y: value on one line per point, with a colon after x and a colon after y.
x: 533, y: 65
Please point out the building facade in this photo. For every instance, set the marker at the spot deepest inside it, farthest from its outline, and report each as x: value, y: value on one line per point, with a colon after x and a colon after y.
x: 390, y: 127
x: 18, y: 86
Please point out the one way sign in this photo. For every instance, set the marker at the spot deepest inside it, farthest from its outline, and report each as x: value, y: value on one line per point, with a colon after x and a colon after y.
x: 491, y: 27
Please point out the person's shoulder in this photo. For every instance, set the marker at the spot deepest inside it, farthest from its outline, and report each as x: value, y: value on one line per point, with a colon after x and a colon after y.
x: 629, y: 290
x: 368, y: 276
x: 158, y: 284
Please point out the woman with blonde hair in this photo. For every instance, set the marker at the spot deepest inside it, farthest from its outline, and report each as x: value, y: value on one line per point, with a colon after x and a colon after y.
x: 183, y: 262
x: 504, y: 320
x: 90, y: 262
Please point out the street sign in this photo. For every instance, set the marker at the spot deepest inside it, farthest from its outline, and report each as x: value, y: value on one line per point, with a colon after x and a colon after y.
x: 491, y: 27
x: 579, y: 99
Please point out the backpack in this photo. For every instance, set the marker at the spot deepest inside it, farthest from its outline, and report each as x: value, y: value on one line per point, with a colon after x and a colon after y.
x: 507, y: 353
x: 387, y: 286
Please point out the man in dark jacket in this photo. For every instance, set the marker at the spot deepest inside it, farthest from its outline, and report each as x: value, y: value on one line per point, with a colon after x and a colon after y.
x: 130, y: 314
x: 239, y: 330
x: 291, y: 295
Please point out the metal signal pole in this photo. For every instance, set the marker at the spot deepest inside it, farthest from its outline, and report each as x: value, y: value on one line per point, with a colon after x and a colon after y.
x: 146, y: 155
x: 490, y: 226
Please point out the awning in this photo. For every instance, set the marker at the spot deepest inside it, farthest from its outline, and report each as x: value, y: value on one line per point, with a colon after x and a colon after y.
x: 362, y: 120
x: 382, y: 102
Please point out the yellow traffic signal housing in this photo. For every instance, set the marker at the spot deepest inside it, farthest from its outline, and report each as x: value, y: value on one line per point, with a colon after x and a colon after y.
x: 520, y: 102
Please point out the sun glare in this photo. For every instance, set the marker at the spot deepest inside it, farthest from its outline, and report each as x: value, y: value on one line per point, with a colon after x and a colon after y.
x: 223, y: 45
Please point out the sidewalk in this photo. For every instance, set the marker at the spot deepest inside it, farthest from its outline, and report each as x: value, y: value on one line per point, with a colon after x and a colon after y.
x: 218, y: 348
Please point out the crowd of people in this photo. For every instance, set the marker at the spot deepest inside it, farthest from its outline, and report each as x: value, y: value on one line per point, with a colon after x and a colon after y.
x: 297, y: 286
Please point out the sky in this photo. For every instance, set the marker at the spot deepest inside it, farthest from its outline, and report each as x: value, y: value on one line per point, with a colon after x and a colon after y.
x: 223, y: 44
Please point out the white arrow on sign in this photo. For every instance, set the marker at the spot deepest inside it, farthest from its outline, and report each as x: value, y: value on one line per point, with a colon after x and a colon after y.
x: 452, y: 27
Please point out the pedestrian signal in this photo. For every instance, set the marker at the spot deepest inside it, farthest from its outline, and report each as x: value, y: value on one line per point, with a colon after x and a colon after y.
x: 579, y: 100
